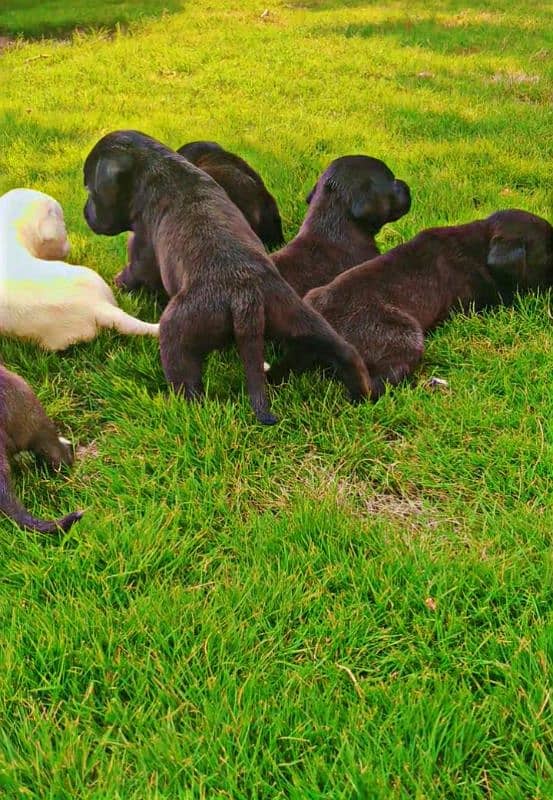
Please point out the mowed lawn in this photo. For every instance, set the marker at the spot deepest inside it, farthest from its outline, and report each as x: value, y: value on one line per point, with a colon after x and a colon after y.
x: 357, y: 602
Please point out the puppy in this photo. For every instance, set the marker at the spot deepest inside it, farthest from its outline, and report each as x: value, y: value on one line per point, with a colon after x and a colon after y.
x: 41, y: 297
x: 243, y: 185
x: 348, y: 205
x: 24, y: 425
x: 222, y: 284
x: 385, y: 306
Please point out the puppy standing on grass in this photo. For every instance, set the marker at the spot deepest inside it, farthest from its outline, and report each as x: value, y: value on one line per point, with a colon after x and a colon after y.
x: 348, y: 205
x: 243, y: 186
x: 385, y: 307
x: 190, y: 237
x: 24, y: 425
x: 41, y: 297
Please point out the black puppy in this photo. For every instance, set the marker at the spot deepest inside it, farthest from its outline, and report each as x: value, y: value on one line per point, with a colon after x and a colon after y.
x: 385, y: 307
x: 348, y: 205
x: 222, y: 284
x: 24, y: 425
x: 242, y: 184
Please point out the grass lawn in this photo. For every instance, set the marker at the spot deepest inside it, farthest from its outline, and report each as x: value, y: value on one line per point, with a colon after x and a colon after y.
x: 356, y: 603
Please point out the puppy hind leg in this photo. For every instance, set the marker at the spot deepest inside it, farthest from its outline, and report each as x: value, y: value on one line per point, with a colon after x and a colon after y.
x: 183, y: 370
x: 248, y: 327
x: 181, y: 362
x: 401, y: 349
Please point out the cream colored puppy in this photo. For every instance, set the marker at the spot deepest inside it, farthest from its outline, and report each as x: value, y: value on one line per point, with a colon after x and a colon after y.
x: 41, y: 297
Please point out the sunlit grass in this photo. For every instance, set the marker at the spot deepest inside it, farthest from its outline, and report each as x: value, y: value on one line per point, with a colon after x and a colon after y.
x: 357, y: 602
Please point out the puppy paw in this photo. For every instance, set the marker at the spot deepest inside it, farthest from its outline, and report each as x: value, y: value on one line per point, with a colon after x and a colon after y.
x: 119, y: 280
x: 266, y: 418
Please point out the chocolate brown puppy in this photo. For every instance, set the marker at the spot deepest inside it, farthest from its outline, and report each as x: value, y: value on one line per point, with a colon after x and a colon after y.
x: 385, y: 306
x: 223, y: 286
x: 348, y: 205
x: 24, y: 425
x: 243, y: 185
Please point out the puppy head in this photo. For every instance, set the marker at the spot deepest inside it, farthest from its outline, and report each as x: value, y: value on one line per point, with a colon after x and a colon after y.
x: 194, y: 151
x: 37, y: 220
x: 108, y: 177
x: 520, y: 251
x: 366, y: 189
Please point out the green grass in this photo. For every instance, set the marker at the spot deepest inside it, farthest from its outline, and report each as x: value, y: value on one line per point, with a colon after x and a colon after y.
x: 59, y: 18
x: 356, y: 603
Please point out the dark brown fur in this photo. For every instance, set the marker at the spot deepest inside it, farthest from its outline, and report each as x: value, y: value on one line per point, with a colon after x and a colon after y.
x: 223, y: 286
x: 24, y: 425
x: 243, y: 185
x: 385, y: 306
x: 349, y: 204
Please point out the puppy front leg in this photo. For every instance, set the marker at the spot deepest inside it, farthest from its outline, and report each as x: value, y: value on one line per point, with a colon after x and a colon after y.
x: 142, y: 269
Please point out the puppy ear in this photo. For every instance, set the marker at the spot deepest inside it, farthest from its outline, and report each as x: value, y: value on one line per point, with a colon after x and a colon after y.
x: 363, y: 204
x: 401, y: 200
x: 109, y: 172
x: 507, y: 254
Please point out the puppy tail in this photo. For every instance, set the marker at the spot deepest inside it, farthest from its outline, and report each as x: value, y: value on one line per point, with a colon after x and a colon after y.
x: 108, y: 316
x: 12, y: 508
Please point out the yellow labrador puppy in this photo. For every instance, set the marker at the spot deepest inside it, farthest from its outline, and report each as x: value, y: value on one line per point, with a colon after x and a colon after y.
x: 41, y: 297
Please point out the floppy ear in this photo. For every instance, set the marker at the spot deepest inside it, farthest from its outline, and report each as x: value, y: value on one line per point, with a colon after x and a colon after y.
x: 109, y: 172
x: 507, y: 254
x: 401, y: 200
x: 51, y: 226
x: 363, y: 205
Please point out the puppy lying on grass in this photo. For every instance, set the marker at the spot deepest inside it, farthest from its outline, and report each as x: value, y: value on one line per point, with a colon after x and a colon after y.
x: 41, y: 297
x: 348, y: 205
x: 190, y: 237
x: 385, y: 306
x: 24, y: 425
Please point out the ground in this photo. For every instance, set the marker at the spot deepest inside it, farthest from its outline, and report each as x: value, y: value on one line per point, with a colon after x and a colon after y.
x: 356, y: 603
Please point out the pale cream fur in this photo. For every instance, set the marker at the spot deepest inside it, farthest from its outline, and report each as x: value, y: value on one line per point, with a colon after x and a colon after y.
x: 43, y: 298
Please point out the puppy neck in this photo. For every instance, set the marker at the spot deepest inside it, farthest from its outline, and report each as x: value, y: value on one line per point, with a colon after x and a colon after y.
x: 328, y: 219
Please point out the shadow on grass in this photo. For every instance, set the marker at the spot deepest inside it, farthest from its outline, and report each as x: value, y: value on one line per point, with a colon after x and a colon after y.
x: 58, y: 18
x: 453, y: 6
x: 439, y: 36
